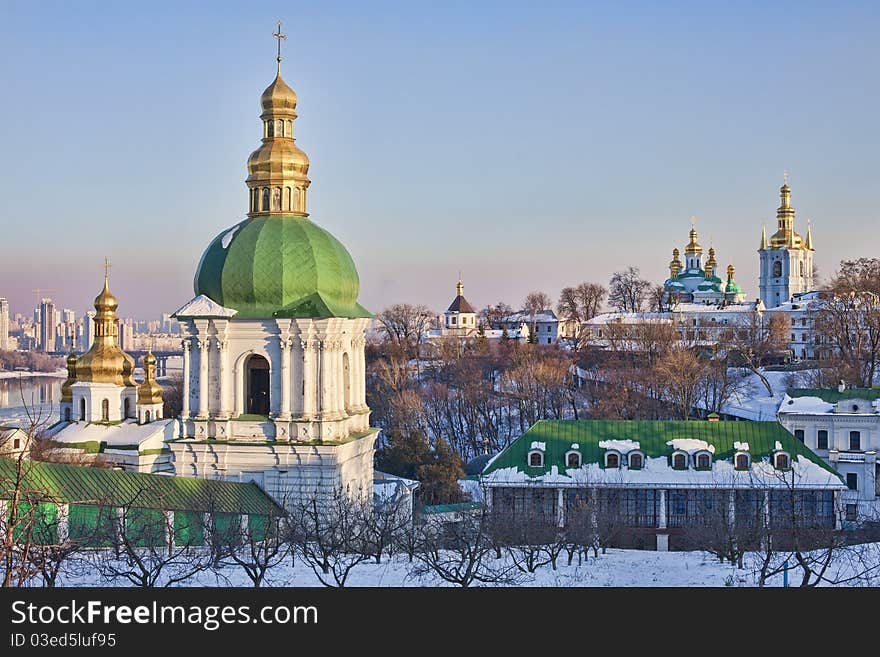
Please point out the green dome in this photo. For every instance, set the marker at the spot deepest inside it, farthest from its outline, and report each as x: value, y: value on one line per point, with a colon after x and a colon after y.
x: 280, y: 266
x: 733, y: 288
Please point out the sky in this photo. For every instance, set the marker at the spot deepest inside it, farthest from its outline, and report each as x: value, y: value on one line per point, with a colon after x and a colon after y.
x: 528, y: 145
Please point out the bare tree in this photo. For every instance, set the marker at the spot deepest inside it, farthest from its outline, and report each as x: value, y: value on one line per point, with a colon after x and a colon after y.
x: 757, y: 339
x: 581, y: 302
x: 680, y: 374
x: 330, y: 535
x: 627, y: 290
x: 534, y: 305
x: 256, y: 547
x: 406, y: 326
x: 460, y: 551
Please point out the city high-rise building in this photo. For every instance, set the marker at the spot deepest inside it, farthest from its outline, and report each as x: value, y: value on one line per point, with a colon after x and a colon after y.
x: 47, y: 325
x: 88, y: 330
x: 4, y: 324
x: 126, y: 334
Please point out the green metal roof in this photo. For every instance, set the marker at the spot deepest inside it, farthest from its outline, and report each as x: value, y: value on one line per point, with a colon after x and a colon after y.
x: 833, y: 395
x: 450, y: 508
x: 65, y: 484
x: 652, y: 435
x: 280, y: 266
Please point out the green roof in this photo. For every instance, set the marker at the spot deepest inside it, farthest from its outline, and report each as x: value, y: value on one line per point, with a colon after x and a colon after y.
x: 65, y: 484
x: 652, y: 436
x: 733, y: 287
x: 450, y: 508
x: 280, y: 266
x: 833, y: 395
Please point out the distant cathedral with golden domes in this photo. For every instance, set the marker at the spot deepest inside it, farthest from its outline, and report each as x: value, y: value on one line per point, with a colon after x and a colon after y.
x: 694, y: 281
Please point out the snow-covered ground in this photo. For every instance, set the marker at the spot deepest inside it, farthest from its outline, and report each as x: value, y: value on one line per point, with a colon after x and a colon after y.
x: 753, y: 403
x: 619, y: 568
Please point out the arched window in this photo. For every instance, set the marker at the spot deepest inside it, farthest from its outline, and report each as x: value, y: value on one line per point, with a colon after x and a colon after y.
x: 287, y: 202
x: 777, y: 268
x: 573, y: 459
x: 536, y: 459
x: 679, y: 461
x: 270, y: 129
x: 105, y: 410
x: 147, y: 416
x: 802, y: 267
x: 82, y: 408
x: 612, y: 460
x: 636, y: 461
x: 290, y: 128
x: 67, y: 414
x: 781, y: 461
x: 265, y: 199
x: 126, y: 407
x: 704, y: 461
x: 276, y: 199
x: 256, y: 373
x: 741, y: 461
x: 279, y: 128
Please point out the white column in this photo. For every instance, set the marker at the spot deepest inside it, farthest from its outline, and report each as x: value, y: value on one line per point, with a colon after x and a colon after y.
x: 203, y: 378
x: 184, y: 412
x: 225, y: 380
x: 284, y: 413
x: 63, y: 511
x: 358, y: 375
x: 662, y: 538
x: 339, y: 378
x: 310, y: 383
x: 661, y: 514
x: 323, y: 383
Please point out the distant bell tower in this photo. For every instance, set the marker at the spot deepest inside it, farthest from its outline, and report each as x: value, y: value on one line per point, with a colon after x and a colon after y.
x: 786, y: 260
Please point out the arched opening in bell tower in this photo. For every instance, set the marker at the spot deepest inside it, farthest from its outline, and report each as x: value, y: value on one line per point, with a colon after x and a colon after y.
x: 256, y: 381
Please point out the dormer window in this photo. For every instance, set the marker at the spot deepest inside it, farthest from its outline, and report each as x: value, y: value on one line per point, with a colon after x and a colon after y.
x: 573, y: 459
x: 636, y: 461
x: 680, y: 461
x: 781, y: 461
x: 612, y: 460
x: 536, y: 459
x: 741, y: 461
x: 703, y: 461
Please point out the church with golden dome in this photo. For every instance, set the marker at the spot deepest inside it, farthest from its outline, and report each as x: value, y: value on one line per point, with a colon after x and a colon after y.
x: 273, y: 350
x: 104, y: 410
x: 698, y: 282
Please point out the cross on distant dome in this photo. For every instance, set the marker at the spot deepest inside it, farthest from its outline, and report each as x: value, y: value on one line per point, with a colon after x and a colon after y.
x: 785, y: 176
x: 106, y: 267
x: 278, y: 35
x: 693, y: 221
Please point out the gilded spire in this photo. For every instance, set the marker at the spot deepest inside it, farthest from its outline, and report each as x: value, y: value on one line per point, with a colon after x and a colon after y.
x: 763, y: 238
x: 459, y: 289
x: 785, y: 235
x: 693, y: 246
x: 105, y: 362
x: 278, y: 170
x: 711, y: 263
x: 808, y: 243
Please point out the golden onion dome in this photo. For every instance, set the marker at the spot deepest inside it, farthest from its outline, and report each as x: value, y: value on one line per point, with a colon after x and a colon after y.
x: 278, y: 97
x: 279, y: 158
x: 66, y: 391
x: 149, y: 392
x: 105, y: 301
x: 693, y: 246
x: 105, y: 362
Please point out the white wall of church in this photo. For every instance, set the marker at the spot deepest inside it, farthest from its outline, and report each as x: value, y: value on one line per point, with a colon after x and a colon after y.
x: 91, y: 398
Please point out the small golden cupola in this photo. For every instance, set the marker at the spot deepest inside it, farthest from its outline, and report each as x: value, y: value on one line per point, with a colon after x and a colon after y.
x: 785, y: 235
x: 693, y: 246
x: 675, y: 263
x: 66, y: 391
x: 711, y: 263
x: 105, y: 362
x: 278, y: 170
x: 149, y: 393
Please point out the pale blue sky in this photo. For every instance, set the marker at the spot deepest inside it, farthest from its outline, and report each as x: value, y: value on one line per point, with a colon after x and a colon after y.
x: 531, y: 145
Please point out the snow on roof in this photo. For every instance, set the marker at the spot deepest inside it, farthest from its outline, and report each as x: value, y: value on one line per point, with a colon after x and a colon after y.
x: 539, y: 445
x: 812, y: 405
x: 631, y: 318
x: 202, y: 306
x: 575, y: 446
x: 525, y: 316
x: 691, y: 445
x: 128, y: 432
x: 657, y: 472
x: 777, y: 446
x: 622, y: 446
x: 227, y: 238
x: 741, y: 446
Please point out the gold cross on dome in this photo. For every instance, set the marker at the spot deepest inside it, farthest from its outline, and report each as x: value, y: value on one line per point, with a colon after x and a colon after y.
x: 278, y: 35
x: 106, y: 267
x: 785, y: 176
